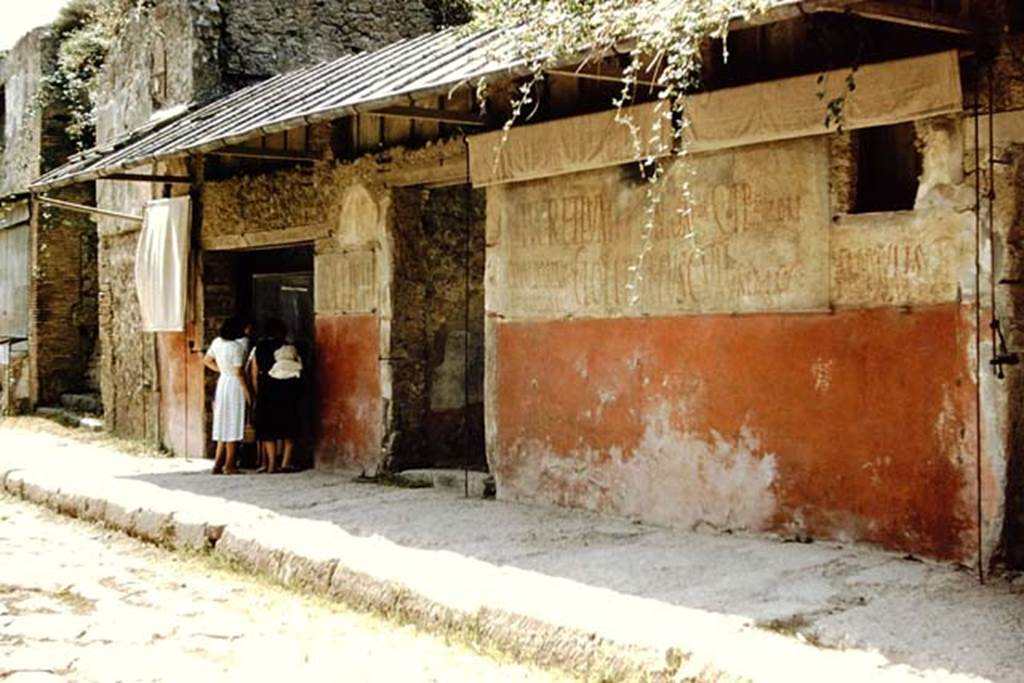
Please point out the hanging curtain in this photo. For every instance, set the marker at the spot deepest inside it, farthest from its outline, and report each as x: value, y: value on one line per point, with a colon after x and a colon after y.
x: 161, y: 264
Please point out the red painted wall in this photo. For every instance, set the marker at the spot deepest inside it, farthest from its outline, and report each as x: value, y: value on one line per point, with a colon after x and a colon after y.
x: 181, y: 395
x: 349, y: 401
x: 857, y: 425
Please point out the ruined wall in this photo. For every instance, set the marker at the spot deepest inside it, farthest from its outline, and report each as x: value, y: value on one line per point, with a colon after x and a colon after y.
x: 65, y: 299
x: 1007, y: 76
x: 163, y: 59
x: 261, y: 38
x: 782, y: 369
x: 20, y: 80
x: 434, y: 325
x: 178, y: 52
x: 61, y: 302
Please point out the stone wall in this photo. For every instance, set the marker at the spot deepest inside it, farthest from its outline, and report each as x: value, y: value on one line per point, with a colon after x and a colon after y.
x: 390, y: 302
x: 262, y: 37
x: 61, y: 302
x: 20, y: 80
x: 433, y: 327
x: 347, y: 215
x: 182, y: 51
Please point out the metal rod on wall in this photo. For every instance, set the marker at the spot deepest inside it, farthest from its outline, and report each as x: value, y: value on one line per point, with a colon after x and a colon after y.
x: 465, y: 340
x: 82, y: 208
x: 977, y: 318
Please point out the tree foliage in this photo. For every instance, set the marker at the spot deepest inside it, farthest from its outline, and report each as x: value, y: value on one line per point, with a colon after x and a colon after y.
x: 85, y: 31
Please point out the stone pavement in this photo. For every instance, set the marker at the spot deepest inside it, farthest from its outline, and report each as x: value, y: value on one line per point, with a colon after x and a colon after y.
x: 598, y: 597
x: 82, y: 603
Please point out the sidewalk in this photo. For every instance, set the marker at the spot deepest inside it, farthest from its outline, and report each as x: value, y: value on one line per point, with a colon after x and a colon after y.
x: 596, y: 596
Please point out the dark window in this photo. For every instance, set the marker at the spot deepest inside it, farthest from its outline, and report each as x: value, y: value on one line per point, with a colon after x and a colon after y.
x: 888, y: 168
x: 3, y: 118
x: 1016, y: 18
x: 158, y: 73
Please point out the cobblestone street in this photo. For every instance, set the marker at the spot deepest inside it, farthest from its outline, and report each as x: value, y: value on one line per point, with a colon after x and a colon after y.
x: 78, y: 602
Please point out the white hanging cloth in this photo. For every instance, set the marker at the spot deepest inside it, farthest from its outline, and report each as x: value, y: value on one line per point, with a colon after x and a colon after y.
x: 161, y: 264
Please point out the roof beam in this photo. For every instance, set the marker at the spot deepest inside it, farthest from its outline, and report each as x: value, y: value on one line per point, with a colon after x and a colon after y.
x: 908, y: 16
x: 265, y: 154
x: 425, y: 114
x: 610, y: 77
x: 144, y: 178
x: 879, y: 10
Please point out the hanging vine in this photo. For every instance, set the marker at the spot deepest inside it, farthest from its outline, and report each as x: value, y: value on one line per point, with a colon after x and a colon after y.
x: 85, y: 31
x: 665, y: 39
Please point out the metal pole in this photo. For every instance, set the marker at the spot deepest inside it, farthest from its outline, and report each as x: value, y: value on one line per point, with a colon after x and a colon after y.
x: 82, y: 208
x: 465, y: 349
x: 977, y: 320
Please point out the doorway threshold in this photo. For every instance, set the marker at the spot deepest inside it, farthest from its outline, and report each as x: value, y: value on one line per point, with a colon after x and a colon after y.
x: 480, y: 483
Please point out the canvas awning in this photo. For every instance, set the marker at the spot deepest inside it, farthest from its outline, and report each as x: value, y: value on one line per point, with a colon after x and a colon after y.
x: 887, y: 93
x: 389, y: 78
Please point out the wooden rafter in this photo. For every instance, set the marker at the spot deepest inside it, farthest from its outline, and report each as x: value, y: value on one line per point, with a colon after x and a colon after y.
x: 879, y: 10
x: 426, y: 114
x: 263, y: 153
x: 144, y: 178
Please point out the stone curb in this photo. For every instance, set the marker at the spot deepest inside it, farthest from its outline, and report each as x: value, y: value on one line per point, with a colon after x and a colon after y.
x: 592, y: 633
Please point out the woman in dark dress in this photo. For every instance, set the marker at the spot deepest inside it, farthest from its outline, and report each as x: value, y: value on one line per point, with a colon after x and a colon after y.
x: 276, y: 418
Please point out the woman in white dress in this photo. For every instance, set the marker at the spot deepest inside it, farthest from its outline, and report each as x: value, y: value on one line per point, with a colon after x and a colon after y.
x: 227, y: 356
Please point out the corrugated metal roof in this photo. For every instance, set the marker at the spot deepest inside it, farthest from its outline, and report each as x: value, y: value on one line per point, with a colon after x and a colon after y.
x: 430, y: 64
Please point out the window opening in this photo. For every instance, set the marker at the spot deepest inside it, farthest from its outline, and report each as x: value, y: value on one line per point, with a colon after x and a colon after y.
x: 158, y: 73
x: 3, y: 119
x: 888, y: 168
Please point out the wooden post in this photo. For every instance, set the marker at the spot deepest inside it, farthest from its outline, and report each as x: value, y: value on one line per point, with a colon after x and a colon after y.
x: 193, y: 309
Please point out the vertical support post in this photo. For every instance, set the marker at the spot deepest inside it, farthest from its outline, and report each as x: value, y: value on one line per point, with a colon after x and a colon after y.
x: 33, y: 301
x: 192, y: 310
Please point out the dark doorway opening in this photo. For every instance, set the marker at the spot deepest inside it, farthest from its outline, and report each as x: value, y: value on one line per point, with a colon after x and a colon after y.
x: 278, y: 284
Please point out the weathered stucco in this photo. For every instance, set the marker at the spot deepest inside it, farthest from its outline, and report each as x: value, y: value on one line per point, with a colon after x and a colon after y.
x: 390, y: 293
x: 747, y: 241
x: 839, y: 406
x: 828, y: 425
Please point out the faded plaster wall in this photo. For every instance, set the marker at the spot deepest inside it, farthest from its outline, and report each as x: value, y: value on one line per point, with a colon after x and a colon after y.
x: 782, y: 370
x: 390, y: 300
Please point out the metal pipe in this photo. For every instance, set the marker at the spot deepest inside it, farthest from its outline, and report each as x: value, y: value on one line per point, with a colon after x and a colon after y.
x: 82, y: 208
x: 977, y: 321
x: 465, y: 341
x: 991, y: 196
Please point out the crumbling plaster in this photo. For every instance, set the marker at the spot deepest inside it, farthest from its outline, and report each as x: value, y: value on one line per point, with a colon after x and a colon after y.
x: 920, y: 262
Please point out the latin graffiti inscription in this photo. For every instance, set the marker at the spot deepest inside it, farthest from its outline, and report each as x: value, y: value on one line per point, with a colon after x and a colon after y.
x: 895, y: 265
x: 750, y: 234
